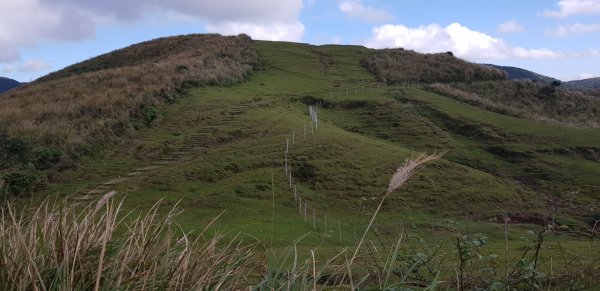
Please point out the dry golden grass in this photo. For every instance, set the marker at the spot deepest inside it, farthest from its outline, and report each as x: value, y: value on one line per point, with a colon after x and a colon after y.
x: 398, y: 65
x: 526, y: 99
x: 97, y: 100
x: 58, y: 247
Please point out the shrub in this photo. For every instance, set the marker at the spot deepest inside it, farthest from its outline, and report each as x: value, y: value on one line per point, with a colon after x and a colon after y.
x: 22, y: 183
x: 526, y: 99
x: 99, y: 100
x: 398, y: 65
x: 45, y: 158
x: 13, y: 150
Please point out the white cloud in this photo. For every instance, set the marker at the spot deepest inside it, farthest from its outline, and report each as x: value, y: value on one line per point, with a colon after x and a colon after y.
x: 354, y: 8
x: 8, y: 69
x: 510, y: 26
x: 23, y: 23
x: 462, y: 41
x: 587, y: 75
x: 35, y: 65
x: 291, y: 31
x: 336, y: 40
x: 574, y: 7
x: 30, y: 66
x: 577, y: 28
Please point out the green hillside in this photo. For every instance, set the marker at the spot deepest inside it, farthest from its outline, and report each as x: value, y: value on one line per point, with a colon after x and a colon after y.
x: 217, y: 150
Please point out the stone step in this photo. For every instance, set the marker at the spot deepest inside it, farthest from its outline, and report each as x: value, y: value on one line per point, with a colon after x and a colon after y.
x: 133, y: 174
x: 97, y: 191
x: 84, y: 197
x: 146, y: 168
x: 115, y: 181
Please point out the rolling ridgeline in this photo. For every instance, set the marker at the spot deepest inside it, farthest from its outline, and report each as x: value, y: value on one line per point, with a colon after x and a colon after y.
x: 206, y: 117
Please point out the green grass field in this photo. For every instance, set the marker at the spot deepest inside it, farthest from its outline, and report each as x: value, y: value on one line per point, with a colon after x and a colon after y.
x: 493, y: 163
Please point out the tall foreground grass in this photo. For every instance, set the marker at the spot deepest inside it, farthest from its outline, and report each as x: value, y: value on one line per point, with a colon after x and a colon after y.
x: 60, y: 247
x: 55, y: 247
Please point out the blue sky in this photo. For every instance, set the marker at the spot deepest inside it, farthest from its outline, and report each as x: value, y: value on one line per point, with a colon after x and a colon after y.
x: 559, y: 38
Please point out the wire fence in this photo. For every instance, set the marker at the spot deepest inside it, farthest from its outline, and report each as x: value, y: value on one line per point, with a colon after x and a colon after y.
x: 513, y: 225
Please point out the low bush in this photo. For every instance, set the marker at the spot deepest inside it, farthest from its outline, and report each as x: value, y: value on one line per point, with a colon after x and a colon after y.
x: 399, y: 65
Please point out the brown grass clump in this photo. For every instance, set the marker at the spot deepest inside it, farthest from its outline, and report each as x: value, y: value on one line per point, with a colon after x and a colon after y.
x: 95, y: 101
x: 60, y: 248
x: 398, y: 65
x: 529, y: 100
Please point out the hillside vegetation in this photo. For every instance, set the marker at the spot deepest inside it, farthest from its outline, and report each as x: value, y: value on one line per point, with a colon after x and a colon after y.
x: 585, y: 84
x: 74, y: 110
x: 511, y: 204
x: 514, y: 73
x: 7, y: 84
x: 528, y: 100
x: 399, y: 65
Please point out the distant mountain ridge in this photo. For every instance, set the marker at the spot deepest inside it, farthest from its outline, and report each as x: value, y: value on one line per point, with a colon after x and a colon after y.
x: 515, y: 73
x: 7, y: 84
x: 585, y: 84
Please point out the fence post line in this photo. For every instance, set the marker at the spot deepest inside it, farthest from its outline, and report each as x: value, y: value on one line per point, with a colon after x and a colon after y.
x: 505, y: 218
x: 325, y: 227
x: 286, y: 164
x: 305, y: 131
x: 340, y: 231
x: 467, y: 223
x: 304, y: 211
x: 433, y: 230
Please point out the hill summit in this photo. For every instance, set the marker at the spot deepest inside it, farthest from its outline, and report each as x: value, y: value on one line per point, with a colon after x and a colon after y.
x: 7, y: 84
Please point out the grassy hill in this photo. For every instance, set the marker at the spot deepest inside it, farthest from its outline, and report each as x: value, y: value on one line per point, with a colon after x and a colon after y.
x: 585, y: 84
x: 76, y: 111
x: 7, y: 84
x: 218, y: 151
x: 400, y: 65
x: 515, y: 73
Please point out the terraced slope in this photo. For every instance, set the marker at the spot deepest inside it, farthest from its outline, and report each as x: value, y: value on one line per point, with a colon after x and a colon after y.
x: 217, y: 148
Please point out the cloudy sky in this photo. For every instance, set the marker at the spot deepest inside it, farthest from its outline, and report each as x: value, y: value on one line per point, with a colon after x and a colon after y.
x: 559, y: 38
